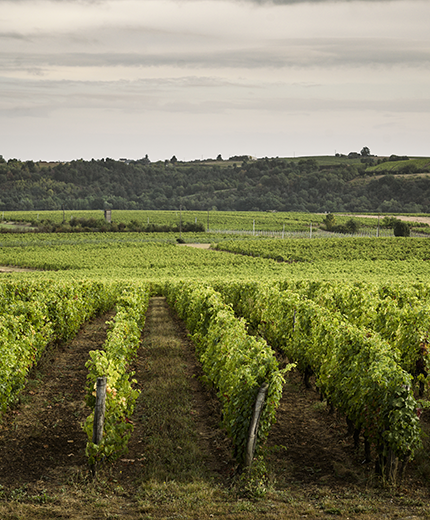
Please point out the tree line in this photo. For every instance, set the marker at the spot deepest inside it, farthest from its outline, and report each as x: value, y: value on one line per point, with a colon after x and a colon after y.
x: 267, y: 184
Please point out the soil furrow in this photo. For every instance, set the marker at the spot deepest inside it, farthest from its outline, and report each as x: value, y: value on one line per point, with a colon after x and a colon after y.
x: 42, y: 440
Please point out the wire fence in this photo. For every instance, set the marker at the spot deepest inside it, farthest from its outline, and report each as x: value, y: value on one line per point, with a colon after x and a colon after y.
x: 317, y: 233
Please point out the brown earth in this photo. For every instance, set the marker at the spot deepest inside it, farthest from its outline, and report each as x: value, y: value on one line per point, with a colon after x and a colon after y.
x: 42, y: 443
x: 41, y: 439
x: 197, y: 246
x: 13, y: 269
x: 406, y: 218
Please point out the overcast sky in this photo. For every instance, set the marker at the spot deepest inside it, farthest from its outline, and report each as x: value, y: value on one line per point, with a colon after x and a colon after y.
x: 197, y: 78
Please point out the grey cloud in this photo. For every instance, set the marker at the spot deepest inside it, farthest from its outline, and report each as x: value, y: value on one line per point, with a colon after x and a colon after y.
x: 25, y: 111
x: 346, y: 105
x: 299, y: 105
x: 24, y: 98
x: 303, y: 53
x: 13, y: 36
x: 80, y: 2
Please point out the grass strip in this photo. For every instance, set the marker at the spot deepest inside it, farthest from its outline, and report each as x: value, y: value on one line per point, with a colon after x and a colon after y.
x: 178, y: 471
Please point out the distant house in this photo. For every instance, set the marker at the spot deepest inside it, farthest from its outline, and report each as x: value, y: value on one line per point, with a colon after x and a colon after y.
x: 124, y: 160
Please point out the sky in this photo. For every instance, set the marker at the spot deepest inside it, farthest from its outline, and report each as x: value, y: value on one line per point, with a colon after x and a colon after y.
x: 197, y: 78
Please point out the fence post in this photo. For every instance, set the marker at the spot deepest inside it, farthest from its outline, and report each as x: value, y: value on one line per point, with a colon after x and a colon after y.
x: 99, y: 413
x: 255, y: 422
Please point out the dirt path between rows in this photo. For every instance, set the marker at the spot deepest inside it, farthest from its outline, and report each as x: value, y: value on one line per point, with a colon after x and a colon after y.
x: 406, y: 218
x: 197, y: 246
x: 42, y: 439
x: 42, y: 444
x: 13, y: 269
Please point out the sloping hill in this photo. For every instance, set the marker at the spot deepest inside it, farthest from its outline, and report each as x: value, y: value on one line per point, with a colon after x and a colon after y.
x: 322, y: 184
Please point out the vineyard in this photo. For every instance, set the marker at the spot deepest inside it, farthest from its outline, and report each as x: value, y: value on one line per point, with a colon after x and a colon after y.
x: 346, y: 319
x: 247, y: 222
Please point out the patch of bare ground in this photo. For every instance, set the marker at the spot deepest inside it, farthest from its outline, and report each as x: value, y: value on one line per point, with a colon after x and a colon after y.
x: 406, y: 218
x: 197, y: 246
x: 310, y: 452
x: 13, y: 269
x: 41, y: 439
x: 313, y: 442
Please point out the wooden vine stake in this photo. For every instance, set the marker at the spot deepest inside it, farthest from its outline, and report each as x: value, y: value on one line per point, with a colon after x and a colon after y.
x: 255, y: 422
x: 99, y: 414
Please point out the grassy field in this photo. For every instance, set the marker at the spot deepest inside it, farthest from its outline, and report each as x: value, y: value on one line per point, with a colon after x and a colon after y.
x: 421, y: 164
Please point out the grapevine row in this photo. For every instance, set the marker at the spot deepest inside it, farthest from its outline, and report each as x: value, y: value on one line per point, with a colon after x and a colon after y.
x: 356, y: 369
x: 236, y: 363
x: 329, y: 248
x: 113, y: 361
x: 400, y: 315
x: 33, y: 314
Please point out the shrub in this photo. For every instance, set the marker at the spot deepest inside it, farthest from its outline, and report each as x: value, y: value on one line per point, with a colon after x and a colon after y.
x: 402, y: 229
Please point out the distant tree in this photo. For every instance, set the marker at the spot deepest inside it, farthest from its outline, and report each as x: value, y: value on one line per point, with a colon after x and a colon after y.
x: 31, y: 166
x: 329, y: 222
x: 402, y: 229
x: 389, y: 222
x: 352, y: 226
x: 365, y: 152
x: 219, y: 157
x: 394, y: 158
x: 173, y: 160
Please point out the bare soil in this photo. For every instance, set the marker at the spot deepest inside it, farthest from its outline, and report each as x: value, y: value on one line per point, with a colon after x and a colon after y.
x: 406, y: 218
x: 13, y: 269
x: 42, y: 440
x: 197, y: 246
x: 309, y: 454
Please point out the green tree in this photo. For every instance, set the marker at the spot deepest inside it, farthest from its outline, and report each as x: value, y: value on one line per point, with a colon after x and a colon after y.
x: 352, y: 226
x: 402, y: 229
x: 329, y: 222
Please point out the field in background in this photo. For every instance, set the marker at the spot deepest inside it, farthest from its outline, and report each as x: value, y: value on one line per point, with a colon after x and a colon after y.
x: 137, y: 256
x: 215, y: 221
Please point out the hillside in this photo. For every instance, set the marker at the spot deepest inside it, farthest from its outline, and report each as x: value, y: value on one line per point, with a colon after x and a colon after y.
x: 317, y: 184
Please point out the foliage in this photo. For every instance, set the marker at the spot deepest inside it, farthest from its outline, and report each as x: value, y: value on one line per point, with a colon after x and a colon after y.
x: 401, y: 229
x: 266, y: 184
x: 121, y: 346
x: 389, y: 222
x: 34, y: 313
x: 82, y: 225
x: 329, y: 222
x: 350, y: 227
x: 234, y: 362
x: 357, y: 370
x: 361, y: 248
x: 362, y: 340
